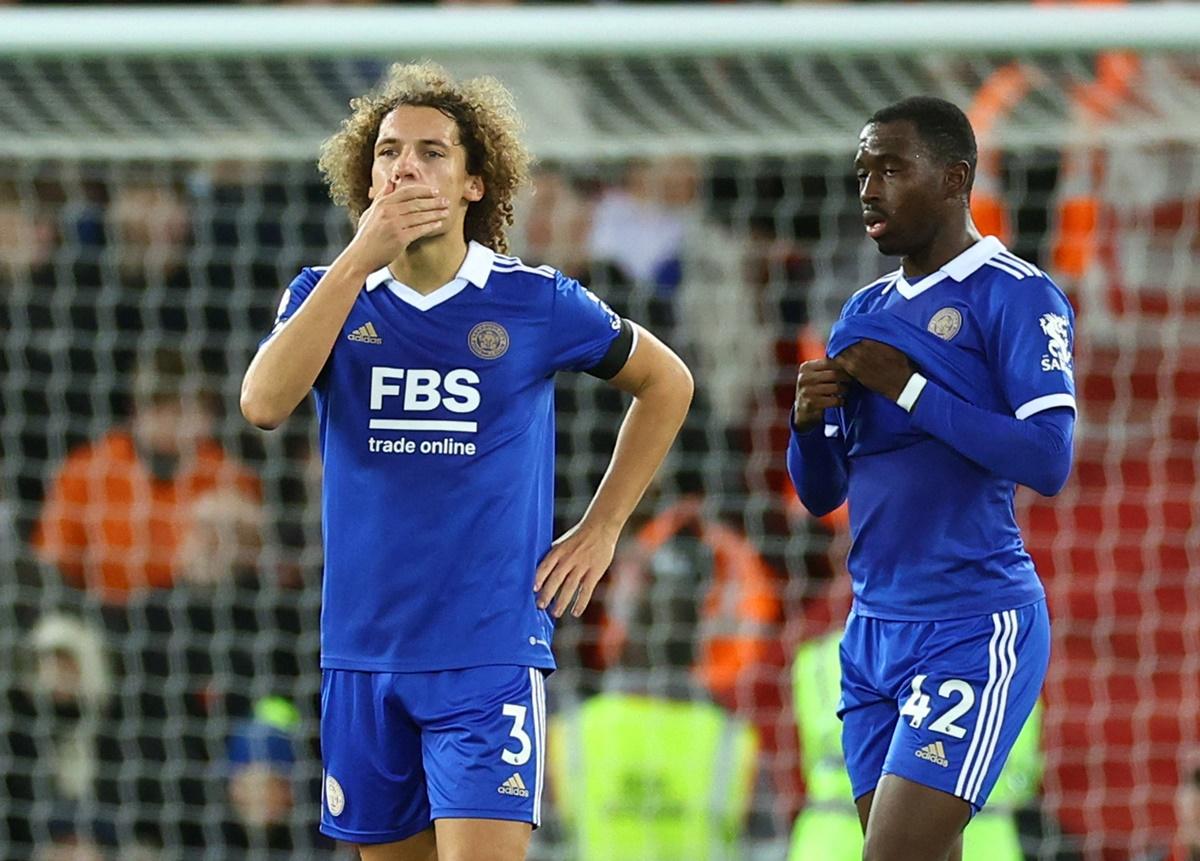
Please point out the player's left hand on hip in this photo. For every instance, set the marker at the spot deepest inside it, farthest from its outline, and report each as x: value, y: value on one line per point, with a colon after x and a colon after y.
x: 877, y: 366
x: 573, y: 567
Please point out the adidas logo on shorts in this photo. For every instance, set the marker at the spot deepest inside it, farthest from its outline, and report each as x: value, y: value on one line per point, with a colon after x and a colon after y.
x: 935, y: 753
x: 513, y: 786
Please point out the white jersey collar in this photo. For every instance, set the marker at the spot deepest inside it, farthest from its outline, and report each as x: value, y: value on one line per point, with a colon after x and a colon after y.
x: 475, y: 269
x: 958, y: 269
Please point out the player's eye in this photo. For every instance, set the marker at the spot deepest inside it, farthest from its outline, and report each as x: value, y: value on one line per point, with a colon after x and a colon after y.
x: 862, y: 176
x: 434, y: 153
x: 387, y: 153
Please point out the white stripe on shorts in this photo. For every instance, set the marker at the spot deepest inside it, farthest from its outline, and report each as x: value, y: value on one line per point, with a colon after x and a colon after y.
x: 537, y: 687
x: 989, y: 721
x: 1007, y: 657
x: 984, y: 702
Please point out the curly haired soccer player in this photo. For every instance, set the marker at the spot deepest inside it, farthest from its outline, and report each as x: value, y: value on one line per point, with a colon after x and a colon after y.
x: 947, y: 383
x: 432, y: 356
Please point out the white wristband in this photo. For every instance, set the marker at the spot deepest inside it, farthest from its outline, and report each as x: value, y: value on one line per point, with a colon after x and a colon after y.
x: 912, y: 391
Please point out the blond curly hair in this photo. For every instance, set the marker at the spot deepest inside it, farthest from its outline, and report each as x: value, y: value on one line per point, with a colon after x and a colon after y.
x: 487, y: 123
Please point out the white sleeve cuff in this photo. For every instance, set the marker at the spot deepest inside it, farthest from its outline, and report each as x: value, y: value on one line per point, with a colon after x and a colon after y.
x: 1045, y: 402
x: 912, y: 391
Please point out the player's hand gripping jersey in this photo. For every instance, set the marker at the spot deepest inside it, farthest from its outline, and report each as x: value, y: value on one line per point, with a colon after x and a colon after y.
x: 934, y: 531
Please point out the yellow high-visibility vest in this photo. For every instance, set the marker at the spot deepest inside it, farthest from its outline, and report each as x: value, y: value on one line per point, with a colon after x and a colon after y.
x: 638, y: 778
x: 828, y: 827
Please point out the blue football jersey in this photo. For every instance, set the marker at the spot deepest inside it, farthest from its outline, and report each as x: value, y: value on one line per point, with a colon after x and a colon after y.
x: 436, y: 421
x: 934, y: 534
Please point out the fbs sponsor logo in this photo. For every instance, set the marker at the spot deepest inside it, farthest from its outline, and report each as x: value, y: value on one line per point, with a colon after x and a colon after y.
x: 365, y: 334
x: 935, y: 753
x: 514, y: 786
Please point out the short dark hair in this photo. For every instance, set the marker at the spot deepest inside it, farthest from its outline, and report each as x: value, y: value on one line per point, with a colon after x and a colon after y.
x: 942, y: 125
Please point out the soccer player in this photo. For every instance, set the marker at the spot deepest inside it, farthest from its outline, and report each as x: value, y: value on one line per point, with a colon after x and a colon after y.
x: 947, y: 383
x: 432, y: 355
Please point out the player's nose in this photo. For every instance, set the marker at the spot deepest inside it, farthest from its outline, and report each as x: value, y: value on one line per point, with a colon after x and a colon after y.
x: 405, y: 167
x: 869, y: 190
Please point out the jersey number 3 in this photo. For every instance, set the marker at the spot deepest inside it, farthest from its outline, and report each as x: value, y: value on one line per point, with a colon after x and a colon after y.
x: 917, y: 707
x: 517, y: 713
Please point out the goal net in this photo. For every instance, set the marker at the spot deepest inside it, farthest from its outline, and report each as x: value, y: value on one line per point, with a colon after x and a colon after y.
x: 158, y: 190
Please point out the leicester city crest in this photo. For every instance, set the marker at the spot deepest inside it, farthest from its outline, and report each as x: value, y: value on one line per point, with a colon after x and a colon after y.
x: 945, y: 323
x: 335, y: 799
x: 488, y: 340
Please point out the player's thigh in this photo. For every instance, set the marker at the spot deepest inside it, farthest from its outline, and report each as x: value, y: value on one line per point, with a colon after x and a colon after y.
x: 964, y: 692
x: 867, y: 732
x: 483, y: 734
x: 908, y: 820
x: 374, y: 790
x: 863, y: 805
x: 420, y: 847
x: 482, y: 839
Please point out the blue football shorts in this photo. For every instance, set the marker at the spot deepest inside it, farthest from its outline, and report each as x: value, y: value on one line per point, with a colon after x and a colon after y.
x: 403, y: 749
x: 940, y: 703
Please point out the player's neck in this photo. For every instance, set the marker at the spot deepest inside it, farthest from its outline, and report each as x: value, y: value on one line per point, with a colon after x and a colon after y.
x: 946, y: 245
x: 430, y: 263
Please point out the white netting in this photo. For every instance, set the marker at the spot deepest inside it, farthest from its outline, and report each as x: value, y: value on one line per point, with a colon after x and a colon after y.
x: 151, y: 201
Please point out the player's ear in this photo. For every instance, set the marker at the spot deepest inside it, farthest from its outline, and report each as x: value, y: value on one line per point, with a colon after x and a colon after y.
x: 474, y: 189
x: 958, y: 179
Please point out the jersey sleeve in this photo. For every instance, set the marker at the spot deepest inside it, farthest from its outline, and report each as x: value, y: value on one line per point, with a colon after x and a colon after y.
x: 1034, y: 339
x: 293, y: 297
x: 289, y: 303
x: 584, y: 331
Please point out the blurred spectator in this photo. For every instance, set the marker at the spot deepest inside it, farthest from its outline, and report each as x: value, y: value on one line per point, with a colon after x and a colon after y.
x: 555, y: 227
x: 653, y: 230
x: 60, y: 749
x: 148, y: 226
x: 261, y: 756
x: 31, y: 344
x: 119, y: 508
x: 223, y: 540
x: 26, y: 238
x: 651, y: 769
x: 736, y: 655
x: 72, y: 684
x: 70, y: 848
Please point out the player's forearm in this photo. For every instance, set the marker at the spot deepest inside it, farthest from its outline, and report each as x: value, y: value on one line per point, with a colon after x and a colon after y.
x: 1035, y: 452
x: 817, y: 466
x: 646, y: 434
x: 288, y: 364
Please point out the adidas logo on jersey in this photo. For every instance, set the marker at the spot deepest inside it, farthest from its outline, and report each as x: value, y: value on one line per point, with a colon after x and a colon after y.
x: 366, y: 334
x: 935, y: 753
x: 513, y: 786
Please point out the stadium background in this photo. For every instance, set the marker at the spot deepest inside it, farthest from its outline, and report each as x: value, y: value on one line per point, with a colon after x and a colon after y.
x: 158, y: 190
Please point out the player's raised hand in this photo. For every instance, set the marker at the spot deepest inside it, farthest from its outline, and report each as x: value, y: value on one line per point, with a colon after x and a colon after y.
x: 877, y: 366
x: 399, y: 216
x: 573, y: 567
x: 820, y: 385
